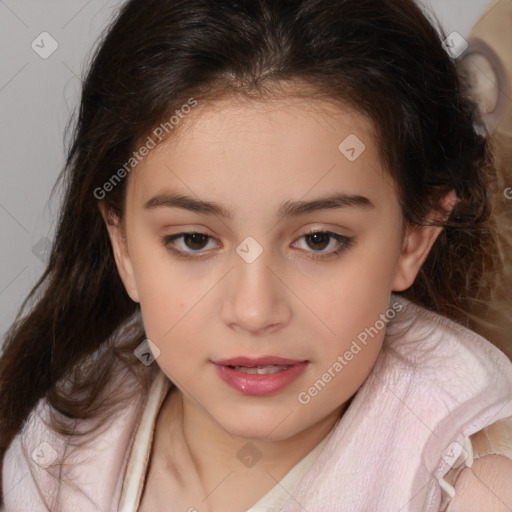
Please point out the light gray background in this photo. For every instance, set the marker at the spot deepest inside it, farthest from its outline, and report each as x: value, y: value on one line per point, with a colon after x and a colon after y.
x: 37, y: 98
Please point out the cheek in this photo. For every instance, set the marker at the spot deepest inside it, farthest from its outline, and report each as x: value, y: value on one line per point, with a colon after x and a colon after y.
x: 353, y: 304
x: 356, y: 294
x: 169, y: 311
x: 167, y: 298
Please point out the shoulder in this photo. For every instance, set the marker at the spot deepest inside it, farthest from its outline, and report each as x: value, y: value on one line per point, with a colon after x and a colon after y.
x: 83, y: 468
x: 25, y: 462
x: 443, y: 348
x: 486, y: 485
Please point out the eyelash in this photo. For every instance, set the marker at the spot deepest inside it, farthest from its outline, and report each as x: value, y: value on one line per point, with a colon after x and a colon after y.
x: 344, y: 244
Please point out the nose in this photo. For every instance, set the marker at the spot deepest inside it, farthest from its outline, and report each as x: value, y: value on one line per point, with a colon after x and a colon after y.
x: 255, y: 299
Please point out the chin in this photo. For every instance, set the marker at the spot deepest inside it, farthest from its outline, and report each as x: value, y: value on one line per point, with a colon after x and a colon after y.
x: 258, y: 426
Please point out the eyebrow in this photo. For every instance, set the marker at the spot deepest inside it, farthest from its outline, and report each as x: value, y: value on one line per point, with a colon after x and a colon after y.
x: 286, y: 209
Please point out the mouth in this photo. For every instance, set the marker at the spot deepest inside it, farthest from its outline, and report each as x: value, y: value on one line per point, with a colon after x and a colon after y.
x: 261, y: 370
x: 259, y: 376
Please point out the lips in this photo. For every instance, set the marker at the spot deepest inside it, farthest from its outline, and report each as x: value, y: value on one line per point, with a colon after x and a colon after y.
x: 250, y: 362
x: 259, y: 376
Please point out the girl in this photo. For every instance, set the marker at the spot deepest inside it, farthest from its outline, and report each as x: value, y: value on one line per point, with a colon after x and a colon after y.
x: 278, y: 216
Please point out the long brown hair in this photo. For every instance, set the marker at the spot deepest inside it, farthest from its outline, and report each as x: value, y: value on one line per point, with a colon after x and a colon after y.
x: 383, y: 57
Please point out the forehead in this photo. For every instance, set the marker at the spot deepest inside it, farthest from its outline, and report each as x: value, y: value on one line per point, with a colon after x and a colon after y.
x: 292, y: 115
x: 288, y: 144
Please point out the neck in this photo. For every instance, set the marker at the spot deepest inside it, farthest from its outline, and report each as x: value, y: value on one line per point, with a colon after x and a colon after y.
x: 215, y: 451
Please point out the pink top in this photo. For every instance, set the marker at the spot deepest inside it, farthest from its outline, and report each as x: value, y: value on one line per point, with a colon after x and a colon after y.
x: 433, y: 385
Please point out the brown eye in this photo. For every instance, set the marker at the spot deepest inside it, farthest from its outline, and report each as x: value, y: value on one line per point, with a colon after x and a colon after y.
x: 195, y: 241
x: 319, y: 241
x: 185, y: 245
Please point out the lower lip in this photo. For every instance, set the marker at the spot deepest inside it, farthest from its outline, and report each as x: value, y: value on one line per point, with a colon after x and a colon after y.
x: 257, y: 385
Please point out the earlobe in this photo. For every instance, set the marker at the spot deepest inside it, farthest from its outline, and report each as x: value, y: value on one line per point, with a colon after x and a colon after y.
x: 417, y: 245
x: 119, y: 248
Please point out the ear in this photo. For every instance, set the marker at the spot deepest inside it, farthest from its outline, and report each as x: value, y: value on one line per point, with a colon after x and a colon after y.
x: 417, y: 244
x: 120, y: 250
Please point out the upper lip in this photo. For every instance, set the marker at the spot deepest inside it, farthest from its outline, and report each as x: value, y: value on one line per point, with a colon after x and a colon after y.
x: 251, y: 362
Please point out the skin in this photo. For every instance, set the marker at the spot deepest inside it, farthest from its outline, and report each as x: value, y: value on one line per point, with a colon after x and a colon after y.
x: 250, y: 156
x: 484, y: 486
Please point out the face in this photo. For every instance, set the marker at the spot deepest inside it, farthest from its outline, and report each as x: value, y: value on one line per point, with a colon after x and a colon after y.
x: 287, y: 248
